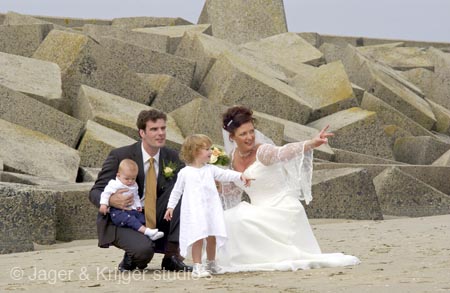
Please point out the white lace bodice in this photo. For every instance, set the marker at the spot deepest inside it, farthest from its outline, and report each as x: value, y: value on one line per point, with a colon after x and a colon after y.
x: 278, y: 172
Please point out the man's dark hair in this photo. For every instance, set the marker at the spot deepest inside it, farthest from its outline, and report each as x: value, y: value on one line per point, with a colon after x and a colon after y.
x: 149, y: 115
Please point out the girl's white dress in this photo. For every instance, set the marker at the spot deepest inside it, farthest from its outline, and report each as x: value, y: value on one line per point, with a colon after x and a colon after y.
x: 273, y: 232
x: 201, y: 209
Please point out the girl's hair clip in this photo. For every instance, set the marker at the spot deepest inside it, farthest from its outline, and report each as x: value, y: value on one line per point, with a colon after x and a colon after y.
x: 231, y: 121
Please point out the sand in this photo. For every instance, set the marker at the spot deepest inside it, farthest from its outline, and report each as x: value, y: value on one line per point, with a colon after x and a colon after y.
x: 397, y: 255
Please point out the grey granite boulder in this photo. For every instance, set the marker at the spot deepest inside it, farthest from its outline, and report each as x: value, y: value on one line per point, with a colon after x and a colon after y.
x: 175, y: 33
x: 30, y: 113
x: 327, y: 89
x: 143, y: 60
x: 419, y: 150
x: 84, y: 61
x: 148, y: 21
x: 22, y: 40
x: 288, y: 50
x: 244, y: 21
x: 388, y: 115
x: 118, y: 114
x: 242, y: 83
x: 356, y: 130
x: 31, y: 152
x: 97, y: 142
x: 170, y: 92
x: 35, y: 78
x: 344, y: 193
x: 150, y: 41
x: 400, y: 194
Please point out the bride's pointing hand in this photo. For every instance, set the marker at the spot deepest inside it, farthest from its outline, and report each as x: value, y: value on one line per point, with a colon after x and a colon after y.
x: 320, y: 139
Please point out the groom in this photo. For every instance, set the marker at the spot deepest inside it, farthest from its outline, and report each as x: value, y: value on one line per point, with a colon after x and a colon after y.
x: 139, y: 249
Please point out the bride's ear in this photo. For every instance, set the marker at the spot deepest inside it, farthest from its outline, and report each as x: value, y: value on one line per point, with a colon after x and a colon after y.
x: 229, y: 138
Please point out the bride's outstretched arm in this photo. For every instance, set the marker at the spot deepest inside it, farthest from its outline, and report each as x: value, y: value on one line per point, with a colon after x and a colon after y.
x: 269, y: 154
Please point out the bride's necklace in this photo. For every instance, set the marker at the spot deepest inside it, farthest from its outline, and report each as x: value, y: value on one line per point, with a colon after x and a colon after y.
x: 244, y: 155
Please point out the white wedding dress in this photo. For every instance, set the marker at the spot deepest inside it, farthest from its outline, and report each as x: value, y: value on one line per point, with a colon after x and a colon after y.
x: 273, y: 232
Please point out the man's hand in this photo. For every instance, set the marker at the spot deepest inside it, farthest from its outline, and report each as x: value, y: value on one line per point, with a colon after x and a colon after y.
x: 103, y: 209
x: 122, y: 201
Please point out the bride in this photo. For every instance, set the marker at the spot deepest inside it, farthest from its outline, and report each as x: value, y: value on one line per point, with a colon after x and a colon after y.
x: 272, y: 232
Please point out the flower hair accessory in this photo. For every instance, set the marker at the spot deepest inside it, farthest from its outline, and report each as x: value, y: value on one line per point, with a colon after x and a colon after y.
x: 169, y: 169
x: 219, y: 157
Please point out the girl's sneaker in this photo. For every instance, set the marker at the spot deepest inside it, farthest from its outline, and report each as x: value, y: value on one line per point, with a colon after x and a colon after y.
x: 213, y: 267
x: 199, y: 271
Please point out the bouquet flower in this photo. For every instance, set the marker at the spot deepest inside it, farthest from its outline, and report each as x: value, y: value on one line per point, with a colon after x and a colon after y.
x: 219, y: 157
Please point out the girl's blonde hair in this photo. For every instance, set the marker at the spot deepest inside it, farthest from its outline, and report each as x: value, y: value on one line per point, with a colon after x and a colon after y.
x: 192, y: 145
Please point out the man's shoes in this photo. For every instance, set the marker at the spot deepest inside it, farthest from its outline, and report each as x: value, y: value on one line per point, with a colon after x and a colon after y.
x: 126, y: 264
x: 173, y: 263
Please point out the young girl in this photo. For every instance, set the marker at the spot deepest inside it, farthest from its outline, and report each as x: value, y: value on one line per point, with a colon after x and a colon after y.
x: 201, y: 209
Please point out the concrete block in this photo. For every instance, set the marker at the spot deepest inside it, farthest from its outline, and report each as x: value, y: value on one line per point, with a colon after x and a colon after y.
x: 327, y: 89
x: 244, y: 21
x: 97, y: 142
x: 419, y: 150
x: 19, y: 149
x: 343, y: 193
x: 15, y: 232
x: 388, y: 115
x: 147, y: 40
x: 288, y: 50
x: 35, y: 78
x: 242, y: 84
x: 356, y: 130
x: 175, y: 33
x: 399, y: 58
x: 32, y: 114
x: 84, y: 61
x: 144, y: 60
x: 389, y: 86
x: 118, y: 114
x: 170, y: 92
x: 22, y: 40
x: 148, y: 21
x: 400, y: 194
x: 435, y: 176
x: 76, y: 215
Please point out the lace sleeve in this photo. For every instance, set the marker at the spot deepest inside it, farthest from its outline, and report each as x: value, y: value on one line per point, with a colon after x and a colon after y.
x: 230, y: 195
x: 297, y: 165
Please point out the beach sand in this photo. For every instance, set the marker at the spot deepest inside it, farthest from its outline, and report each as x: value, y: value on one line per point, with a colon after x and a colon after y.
x: 397, y: 255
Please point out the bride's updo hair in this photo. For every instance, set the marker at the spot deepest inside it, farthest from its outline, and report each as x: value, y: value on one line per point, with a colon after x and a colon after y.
x: 235, y: 116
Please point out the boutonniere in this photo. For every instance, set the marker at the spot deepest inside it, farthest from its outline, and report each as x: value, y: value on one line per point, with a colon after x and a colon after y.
x: 219, y: 157
x: 169, y: 169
